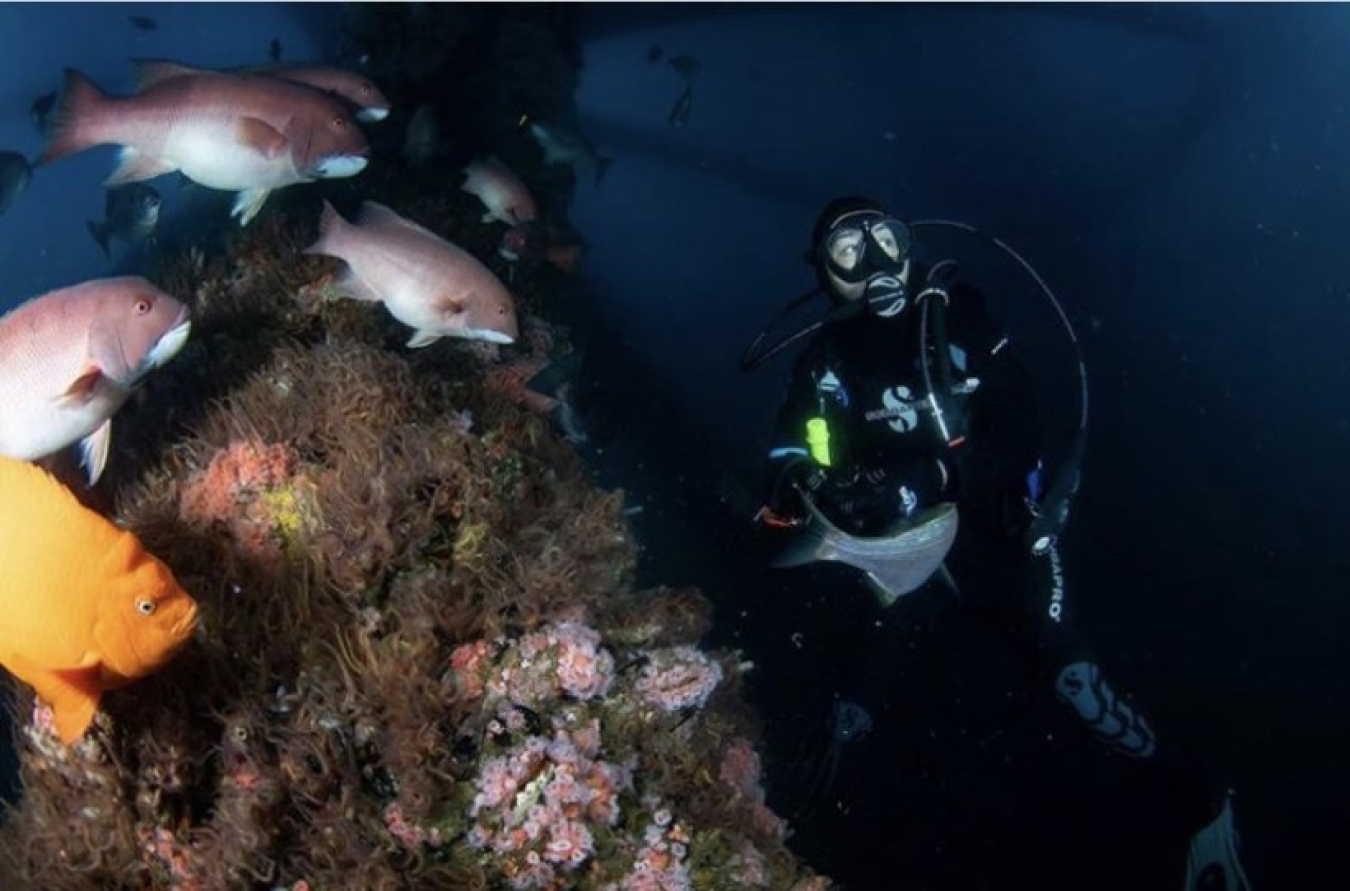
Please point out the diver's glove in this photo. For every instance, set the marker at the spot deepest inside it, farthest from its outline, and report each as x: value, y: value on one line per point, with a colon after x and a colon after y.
x: 800, y: 479
x: 870, y: 501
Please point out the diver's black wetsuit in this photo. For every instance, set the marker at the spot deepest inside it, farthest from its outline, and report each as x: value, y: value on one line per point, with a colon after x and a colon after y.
x: 889, y: 456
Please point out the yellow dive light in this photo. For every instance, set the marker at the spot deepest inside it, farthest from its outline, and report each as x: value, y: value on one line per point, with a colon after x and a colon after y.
x: 818, y: 440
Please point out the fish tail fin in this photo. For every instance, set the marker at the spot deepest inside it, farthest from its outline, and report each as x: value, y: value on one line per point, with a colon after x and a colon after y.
x: 100, y: 231
x: 332, y: 229
x: 809, y: 545
x: 565, y: 257
x: 71, y: 128
x: 601, y: 165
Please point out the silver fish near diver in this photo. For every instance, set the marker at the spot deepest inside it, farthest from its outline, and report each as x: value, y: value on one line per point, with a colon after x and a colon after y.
x: 565, y: 147
x: 895, y: 564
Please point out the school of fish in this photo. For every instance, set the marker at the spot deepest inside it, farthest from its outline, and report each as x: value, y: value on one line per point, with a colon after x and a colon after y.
x: 84, y: 608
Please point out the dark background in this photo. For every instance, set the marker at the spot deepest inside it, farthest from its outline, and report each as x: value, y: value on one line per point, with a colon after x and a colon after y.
x: 1177, y: 173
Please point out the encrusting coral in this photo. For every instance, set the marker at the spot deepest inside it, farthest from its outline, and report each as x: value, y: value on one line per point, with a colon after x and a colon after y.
x: 421, y: 663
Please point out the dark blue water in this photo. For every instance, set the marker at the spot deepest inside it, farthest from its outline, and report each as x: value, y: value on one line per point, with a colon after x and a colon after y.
x: 1177, y: 174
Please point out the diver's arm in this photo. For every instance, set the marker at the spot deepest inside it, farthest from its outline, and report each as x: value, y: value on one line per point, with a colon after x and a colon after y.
x: 792, y: 460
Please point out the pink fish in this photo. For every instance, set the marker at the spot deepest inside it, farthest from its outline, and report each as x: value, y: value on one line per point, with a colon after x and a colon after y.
x: 363, y: 95
x: 424, y: 281
x: 349, y: 86
x: 501, y: 191
x: 236, y: 132
x: 69, y: 359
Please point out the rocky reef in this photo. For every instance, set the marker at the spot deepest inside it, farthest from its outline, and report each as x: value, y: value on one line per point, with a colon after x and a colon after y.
x: 422, y: 662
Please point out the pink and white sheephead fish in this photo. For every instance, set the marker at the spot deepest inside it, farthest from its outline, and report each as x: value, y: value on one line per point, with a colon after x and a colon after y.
x: 501, y: 191
x: 427, y: 283
x: 354, y: 89
x: 69, y: 359
x: 245, y: 133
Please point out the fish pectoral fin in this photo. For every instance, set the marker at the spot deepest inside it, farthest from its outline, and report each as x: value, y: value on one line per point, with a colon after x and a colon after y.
x: 132, y: 166
x: 82, y: 388
x: 94, y: 451
x: 73, y: 695
x: 349, y: 284
x: 422, y: 338
x: 261, y: 136
x: 247, y: 204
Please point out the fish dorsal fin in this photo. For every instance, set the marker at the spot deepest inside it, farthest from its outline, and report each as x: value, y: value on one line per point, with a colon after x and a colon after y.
x: 150, y: 72
x: 376, y: 216
x: 260, y: 136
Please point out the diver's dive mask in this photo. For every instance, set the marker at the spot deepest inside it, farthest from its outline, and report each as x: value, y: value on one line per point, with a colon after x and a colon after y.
x: 865, y: 255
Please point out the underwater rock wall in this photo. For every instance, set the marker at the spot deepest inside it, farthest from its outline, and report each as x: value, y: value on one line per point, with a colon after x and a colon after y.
x: 421, y: 662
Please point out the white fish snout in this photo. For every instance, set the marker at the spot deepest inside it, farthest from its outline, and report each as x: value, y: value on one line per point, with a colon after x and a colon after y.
x: 490, y: 335
x: 168, y: 345
x: 340, y: 166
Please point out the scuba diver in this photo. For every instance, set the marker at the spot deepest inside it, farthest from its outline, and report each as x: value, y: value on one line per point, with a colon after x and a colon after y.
x: 908, y: 448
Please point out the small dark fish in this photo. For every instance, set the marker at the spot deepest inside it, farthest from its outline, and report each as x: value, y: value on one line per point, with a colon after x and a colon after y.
x: 41, y: 109
x: 143, y: 23
x: 654, y: 54
x: 274, y: 50
x: 14, y: 176
x: 685, y: 64
x: 131, y: 213
x: 423, y: 140
x: 679, y: 112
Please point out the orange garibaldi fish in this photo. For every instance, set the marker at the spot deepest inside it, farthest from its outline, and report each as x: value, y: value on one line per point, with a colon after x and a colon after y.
x: 83, y: 607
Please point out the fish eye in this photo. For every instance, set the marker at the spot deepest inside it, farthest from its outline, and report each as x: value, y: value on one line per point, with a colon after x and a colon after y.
x: 240, y: 733
x: 143, y: 305
x: 145, y: 607
x: 340, y: 123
